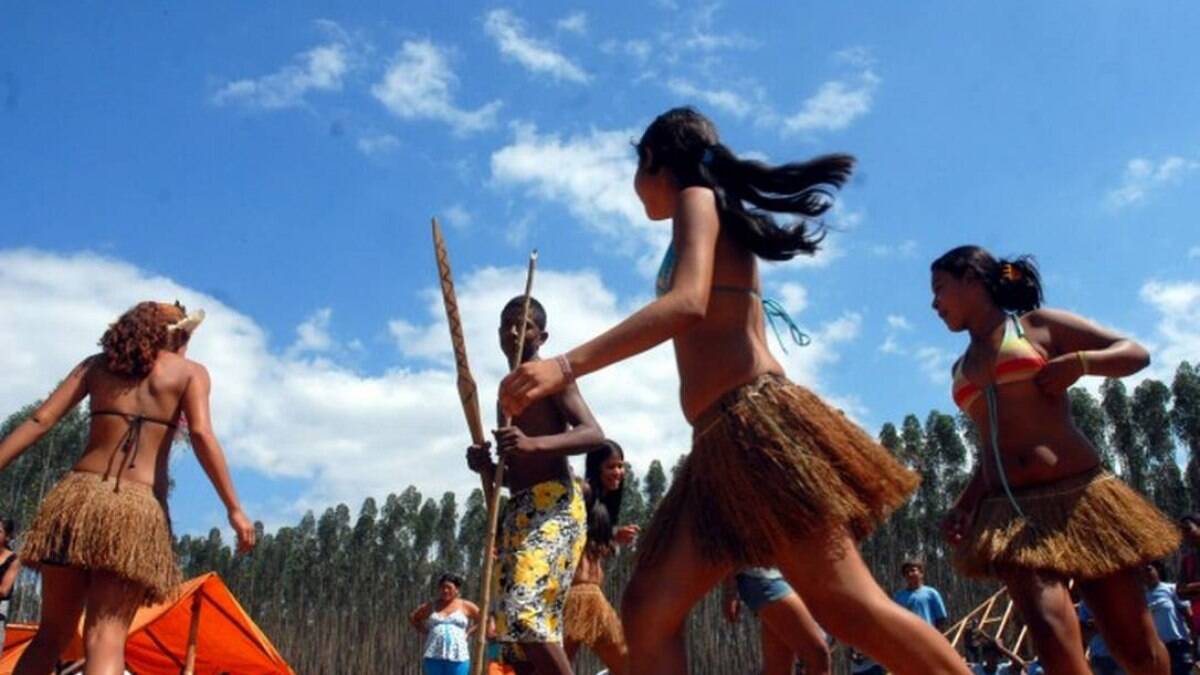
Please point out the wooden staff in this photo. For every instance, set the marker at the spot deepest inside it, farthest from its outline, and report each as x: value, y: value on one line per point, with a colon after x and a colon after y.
x: 468, y: 394
x: 467, y: 391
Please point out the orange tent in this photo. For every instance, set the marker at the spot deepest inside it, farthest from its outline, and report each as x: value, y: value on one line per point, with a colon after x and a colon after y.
x: 226, y: 640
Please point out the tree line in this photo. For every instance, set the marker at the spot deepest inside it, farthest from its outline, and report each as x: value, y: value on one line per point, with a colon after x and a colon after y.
x: 334, y: 591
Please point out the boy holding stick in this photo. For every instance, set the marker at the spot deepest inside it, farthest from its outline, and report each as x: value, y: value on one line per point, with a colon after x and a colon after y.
x: 542, y: 535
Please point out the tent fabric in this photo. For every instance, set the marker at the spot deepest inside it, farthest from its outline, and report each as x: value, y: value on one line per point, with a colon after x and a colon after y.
x: 228, y: 640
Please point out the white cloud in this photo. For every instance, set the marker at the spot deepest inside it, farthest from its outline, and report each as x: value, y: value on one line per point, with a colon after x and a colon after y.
x: 312, y: 335
x: 722, y: 99
x: 859, y: 57
x: 589, y: 174
x: 419, y: 84
x: 933, y: 362
x: 322, y: 68
x: 702, y: 35
x: 1177, y: 335
x: 793, y: 297
x: 1143, y: 175
x: 836, y: 105
x: 509, y: 33
x: 638, y: 49
x: 905, y: 249
x: 575, y: 22
x: 378, y: 144
x: 344, y: 435
x: 458, y: 217
x: 806, y: 365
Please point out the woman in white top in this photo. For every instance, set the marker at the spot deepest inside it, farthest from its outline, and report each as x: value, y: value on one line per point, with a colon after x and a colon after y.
x: 446, y: 622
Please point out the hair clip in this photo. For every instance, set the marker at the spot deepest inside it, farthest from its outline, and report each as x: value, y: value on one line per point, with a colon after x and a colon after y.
x: 1009, y: 273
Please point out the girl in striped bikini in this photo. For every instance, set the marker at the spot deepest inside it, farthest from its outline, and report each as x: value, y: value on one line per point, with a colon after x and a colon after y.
x: 1040, y: 509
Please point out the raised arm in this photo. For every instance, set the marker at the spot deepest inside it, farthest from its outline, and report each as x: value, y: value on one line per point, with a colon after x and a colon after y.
x: 695, y: 230
x: 66, y: 396
x: 209, y: 453
x: 1079, y: 347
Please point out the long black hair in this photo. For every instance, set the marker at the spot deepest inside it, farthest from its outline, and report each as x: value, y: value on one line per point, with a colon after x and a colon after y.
x: 686, y: 142
x: 1014, y: 285
x: 594, y: 465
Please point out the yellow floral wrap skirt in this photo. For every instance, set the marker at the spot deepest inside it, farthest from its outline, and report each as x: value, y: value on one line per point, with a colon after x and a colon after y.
x: 541, y: 540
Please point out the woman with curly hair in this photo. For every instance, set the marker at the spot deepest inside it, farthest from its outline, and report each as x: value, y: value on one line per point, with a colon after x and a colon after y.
x: 102, y: 537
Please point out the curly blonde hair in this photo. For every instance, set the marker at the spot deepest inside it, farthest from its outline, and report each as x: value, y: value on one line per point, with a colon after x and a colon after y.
x: 132, y: 343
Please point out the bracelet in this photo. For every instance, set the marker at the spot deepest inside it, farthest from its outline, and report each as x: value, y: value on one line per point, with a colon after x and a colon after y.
x: 565, y: 366
x: 1082, y: 362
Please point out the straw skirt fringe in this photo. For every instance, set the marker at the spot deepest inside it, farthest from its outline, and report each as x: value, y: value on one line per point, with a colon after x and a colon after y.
x: 589, y: 619
x: 1083, y: 527
x: 85, y: 522
x: 771, y: 462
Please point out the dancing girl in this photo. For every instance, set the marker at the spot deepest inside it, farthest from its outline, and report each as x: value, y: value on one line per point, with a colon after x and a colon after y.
x: 1039, y: 509
x: 102, y: 536
x: 776, y: 477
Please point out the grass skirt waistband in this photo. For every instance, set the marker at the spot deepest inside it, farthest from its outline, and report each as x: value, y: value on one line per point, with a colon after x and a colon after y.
x: 84, y: 522
x: 1082, y: 527
x: 589, y: 619
x: 770, y: 463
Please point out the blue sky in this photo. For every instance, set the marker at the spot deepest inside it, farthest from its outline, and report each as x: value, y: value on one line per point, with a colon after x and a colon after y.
x: 279, y: 165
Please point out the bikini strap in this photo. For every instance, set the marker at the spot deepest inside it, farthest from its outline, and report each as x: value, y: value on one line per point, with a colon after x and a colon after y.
x: 993, y: 417
x: 774, y: 311
x: 1016, y: 324
x: 129, y: 443
x: 130, y: 417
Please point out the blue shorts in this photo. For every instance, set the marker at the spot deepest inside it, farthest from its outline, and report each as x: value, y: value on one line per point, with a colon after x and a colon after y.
x: 760, y: 586
x: 444, y: 667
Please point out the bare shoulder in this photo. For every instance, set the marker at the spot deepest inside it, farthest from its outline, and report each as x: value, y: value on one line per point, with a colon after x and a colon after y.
x: 196, y: 369
x: 471, y: 607
x: 1058, y: 321
x: 696, y: 202
x: 1045, y: 317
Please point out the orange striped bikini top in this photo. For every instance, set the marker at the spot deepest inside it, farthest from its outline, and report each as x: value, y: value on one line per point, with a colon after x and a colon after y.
x: 1016, y: 360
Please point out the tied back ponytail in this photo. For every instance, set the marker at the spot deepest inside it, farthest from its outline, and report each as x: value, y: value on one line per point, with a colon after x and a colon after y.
x: 1014, y: 285
x: 685, y: 142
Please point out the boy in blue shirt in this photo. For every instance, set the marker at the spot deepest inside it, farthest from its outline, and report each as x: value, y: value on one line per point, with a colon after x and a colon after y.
x: 916, y: 597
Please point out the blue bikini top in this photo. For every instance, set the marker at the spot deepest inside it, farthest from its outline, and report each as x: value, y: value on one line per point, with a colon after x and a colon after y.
x: 771, y: 307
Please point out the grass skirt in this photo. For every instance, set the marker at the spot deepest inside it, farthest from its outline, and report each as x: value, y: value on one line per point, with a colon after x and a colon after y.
x: 84, y: 522
x: 1083, y: 527
x: 770, y: 463
x: 589, y: 619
